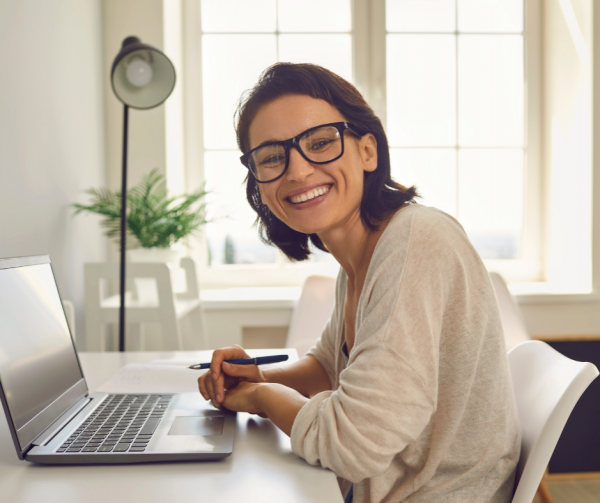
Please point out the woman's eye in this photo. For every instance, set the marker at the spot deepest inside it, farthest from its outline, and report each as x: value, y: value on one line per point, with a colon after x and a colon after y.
x: 319, y: 144
x: 274, y: 159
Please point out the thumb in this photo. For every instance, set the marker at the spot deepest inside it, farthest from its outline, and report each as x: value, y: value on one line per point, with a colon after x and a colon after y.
x: 248, y: 371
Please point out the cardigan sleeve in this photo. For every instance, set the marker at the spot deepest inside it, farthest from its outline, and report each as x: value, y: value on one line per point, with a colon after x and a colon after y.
x: 356, y: 430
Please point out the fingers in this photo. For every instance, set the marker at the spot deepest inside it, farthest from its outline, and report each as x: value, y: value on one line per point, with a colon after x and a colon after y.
x: 207, y: 387
x: 202, y: 381
x: 246, y: 372
x: 219, y: 356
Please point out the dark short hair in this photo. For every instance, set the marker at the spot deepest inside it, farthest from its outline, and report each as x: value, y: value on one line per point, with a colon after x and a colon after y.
x: 382, y: 196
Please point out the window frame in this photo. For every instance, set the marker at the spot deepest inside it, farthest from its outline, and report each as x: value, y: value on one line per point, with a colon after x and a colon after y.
x: 369, y: 70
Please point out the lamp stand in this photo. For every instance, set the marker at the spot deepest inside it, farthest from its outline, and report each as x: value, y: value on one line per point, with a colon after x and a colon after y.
x: 123, y: 230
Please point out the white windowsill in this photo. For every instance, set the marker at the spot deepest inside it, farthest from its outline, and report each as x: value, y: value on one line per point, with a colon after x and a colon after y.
x: 250, y: 298
x: 286, y: 297
x: 542, y: 293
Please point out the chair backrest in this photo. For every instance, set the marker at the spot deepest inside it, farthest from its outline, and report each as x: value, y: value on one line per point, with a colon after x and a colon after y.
x: 312, y: 312
x: 515, y: 331
x: 547, y: 385
x: 156, y: 304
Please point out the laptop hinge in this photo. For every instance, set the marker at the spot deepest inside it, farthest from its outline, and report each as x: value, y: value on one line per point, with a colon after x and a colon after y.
x: 50, y: 432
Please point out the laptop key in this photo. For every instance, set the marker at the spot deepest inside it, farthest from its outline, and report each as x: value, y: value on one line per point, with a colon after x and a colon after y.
x: 89, y: 449
x: 150, y: 426
x: 105, y: 448
x: 137, y: 449
x: 121, y: 447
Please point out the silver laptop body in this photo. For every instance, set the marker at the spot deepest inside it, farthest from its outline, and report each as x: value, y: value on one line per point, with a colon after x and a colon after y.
x: 51, y: 415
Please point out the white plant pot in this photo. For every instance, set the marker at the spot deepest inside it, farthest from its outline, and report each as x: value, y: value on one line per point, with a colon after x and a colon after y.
x: 146, y: 288
x: 156, y: 255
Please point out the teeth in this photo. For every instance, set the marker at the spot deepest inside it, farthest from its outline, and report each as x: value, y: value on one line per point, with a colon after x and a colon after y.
x: 311, y: 194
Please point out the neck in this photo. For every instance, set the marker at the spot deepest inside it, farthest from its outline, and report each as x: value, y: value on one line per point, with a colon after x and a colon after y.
x: 352, y: 244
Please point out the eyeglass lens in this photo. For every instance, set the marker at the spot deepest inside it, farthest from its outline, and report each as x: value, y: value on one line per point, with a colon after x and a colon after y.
x: 318, y: 145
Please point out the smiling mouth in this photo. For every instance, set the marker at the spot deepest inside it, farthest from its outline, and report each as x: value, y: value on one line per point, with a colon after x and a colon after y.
x: 310, y: 194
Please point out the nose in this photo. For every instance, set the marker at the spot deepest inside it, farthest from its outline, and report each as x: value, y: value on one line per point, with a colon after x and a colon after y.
x: 299, y: 168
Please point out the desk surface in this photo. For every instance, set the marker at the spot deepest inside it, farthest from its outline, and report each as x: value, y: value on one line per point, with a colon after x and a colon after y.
x: 261, y: 469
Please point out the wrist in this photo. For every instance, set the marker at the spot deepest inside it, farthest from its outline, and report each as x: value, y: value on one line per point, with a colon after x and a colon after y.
x: 261, y: 393
x: 269, y: 375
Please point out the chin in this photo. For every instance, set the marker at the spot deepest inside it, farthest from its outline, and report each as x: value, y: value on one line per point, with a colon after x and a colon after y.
x: 313, y: 229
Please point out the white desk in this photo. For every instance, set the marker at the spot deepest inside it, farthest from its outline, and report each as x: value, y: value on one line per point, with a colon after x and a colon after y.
x: 261, y: 469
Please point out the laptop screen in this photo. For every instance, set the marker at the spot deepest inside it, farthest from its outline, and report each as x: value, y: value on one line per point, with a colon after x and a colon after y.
x: 38, y: 364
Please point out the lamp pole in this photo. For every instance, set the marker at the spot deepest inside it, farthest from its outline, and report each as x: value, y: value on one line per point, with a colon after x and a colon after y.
x: 142, y: 77
x: 123, y: 230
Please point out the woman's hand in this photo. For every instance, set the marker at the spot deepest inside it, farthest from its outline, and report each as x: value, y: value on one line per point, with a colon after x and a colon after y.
x: 242, y: 398
x: 224, y: 376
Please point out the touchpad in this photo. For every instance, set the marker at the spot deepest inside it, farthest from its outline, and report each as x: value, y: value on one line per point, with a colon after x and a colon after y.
x: 197, y: 425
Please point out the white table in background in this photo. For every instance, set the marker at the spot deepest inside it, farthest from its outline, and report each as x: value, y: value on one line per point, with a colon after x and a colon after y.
x: 261, y: 469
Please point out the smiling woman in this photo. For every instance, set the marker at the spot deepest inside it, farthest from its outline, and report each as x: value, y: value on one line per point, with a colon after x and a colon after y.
x: 406, y: 395
x: 309, y: 92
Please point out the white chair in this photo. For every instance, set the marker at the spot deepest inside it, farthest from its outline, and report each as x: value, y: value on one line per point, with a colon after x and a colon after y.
x: 312, y: 312
x: 154, y: 301
x: 547, y: 385
x: 70, y: 315
x: 515, y: 331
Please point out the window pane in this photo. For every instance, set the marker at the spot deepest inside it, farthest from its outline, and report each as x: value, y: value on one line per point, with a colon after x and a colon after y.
x: 421, y: 90
x: 334, y: 52
x: 231, y: 237
x: 490, y: 205
x: 230, y: 65
x: 491, y: 90
x: 489, y: 16
x: 238, y: 15
x: 433, y: 171
x: 314, y: 16
x: 417, y: 15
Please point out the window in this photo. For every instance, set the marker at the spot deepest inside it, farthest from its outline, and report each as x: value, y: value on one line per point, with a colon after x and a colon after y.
x: 447, y: 77
x: 239, y: 40
x: 456, y: 113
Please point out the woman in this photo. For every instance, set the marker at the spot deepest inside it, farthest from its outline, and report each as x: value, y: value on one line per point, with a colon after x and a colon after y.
x: 407, y: 393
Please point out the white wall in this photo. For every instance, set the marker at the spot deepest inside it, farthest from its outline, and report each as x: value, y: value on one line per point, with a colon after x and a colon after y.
x: 51, y: 134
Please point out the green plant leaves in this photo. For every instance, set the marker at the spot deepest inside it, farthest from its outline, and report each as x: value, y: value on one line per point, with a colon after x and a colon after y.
x: 154, y: 219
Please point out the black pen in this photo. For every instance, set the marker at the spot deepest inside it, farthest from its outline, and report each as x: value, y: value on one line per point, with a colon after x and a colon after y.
x: 259, y: 360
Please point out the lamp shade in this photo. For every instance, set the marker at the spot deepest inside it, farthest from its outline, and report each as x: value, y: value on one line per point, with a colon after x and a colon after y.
x: 142, y: 76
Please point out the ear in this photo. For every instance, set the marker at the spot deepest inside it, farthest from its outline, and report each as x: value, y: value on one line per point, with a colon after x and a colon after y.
x: 368, y: 152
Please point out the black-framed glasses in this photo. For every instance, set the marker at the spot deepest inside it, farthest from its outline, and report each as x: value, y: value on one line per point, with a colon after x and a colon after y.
x: 318, y: 145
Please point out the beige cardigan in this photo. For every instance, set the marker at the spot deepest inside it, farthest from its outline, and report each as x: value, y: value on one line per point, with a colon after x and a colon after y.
x: 423, y: 410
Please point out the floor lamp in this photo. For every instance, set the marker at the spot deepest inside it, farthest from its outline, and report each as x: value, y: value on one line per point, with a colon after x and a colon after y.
x: 142, y: 77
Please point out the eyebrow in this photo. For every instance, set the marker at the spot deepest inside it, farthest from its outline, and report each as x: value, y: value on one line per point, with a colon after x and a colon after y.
x: 267, y: 142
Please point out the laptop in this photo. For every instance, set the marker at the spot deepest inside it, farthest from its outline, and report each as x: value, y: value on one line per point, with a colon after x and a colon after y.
x: 52, y: 416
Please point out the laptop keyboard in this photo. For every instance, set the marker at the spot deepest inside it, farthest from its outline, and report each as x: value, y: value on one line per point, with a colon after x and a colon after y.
x: 123, y: 423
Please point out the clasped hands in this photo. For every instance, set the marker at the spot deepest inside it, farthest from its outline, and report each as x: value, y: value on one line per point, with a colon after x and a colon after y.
x: 232, y: 386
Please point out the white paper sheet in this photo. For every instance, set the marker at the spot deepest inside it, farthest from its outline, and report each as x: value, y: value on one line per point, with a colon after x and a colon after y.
x: 180, y: 362
x: 148, y: 378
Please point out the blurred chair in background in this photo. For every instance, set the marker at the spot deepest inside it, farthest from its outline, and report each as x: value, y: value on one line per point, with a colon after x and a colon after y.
x: 153, y: 300
x: 515, y: 332
x: 513, y: 323
x: 547, y: 386
x: 311, y: 313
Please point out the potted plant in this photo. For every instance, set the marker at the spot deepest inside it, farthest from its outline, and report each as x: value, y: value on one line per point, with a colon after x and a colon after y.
x: 156, y: 221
